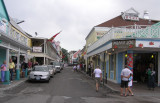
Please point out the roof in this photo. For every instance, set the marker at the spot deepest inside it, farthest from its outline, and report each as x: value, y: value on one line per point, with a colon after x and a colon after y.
x: 38, y: 38
x: 28, y: 34
x: 15, y: 25
x: 5, y: 10
x: 119, y: 21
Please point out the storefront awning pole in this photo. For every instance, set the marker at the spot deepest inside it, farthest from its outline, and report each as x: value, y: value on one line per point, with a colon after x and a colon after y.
x: 18, y: 64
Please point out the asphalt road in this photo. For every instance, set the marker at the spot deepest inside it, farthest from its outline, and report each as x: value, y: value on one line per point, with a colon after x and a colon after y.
x: 67, y: 87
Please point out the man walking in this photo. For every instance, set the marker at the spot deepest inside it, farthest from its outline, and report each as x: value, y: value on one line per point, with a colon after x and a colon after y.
x: 98, y: 77
x: 125, y: 74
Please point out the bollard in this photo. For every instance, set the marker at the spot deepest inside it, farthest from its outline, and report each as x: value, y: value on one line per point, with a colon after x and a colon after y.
x: 7, y: 77
x: 26, y: 72
x: 17, y: 74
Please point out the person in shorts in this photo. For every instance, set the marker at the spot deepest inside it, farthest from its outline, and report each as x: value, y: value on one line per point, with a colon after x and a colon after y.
x: 125, y: 74
x: 98, y: 77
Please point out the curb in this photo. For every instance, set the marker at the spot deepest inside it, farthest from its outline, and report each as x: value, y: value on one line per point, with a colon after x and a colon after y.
x: 114, y: 90
x: 11, y: 86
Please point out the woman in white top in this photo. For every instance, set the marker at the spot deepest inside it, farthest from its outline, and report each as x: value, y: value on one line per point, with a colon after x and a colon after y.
x: 130, y: 84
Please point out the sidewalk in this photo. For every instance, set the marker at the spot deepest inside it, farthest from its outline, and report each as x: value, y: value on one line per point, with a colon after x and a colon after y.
x: 138, y: 89
x: 13, y: 84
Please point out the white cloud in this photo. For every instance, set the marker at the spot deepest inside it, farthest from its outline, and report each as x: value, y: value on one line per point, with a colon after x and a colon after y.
x: 74, y: 17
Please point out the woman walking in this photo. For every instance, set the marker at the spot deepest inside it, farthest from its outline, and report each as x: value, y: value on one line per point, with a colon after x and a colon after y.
x: 130, y: 85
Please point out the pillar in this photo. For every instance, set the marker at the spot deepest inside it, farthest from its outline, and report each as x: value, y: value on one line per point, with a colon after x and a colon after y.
x: 158, y: 69
x: 119, y: 67
x: 26, y: 61
x: 44, y: 62
x: 18, y: 64
x: 130, y: 60
x: 7, y: 73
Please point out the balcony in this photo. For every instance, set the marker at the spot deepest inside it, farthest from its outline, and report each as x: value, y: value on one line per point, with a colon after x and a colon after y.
x: 7, y: 31
x: 128, y: 32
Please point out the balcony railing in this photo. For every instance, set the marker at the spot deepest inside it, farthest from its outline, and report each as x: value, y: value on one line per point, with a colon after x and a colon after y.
x: 132, y: 31
x: 9, y: 32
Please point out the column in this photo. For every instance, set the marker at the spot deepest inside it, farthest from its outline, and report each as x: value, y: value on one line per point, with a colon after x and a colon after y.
x: 26, y: 61
x: 130, y: 60
x: 44, y: 52
x: 7, y: 73
x: 158, y: 69
x: 18, y: 64
x: 119, y: 67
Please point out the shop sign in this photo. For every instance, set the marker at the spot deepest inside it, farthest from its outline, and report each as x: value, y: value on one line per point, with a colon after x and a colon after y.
x: 37, y: 49
x: 100, y: 34
x: 133, y: 18
x: 120, y: 44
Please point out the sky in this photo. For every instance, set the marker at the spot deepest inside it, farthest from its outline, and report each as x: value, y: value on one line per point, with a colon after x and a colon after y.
x: 75, y: 18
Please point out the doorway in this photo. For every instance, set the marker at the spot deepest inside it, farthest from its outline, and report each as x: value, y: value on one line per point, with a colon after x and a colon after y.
x: 142, y: 61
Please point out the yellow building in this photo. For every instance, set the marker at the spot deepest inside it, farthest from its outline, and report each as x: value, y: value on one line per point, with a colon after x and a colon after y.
x: 95, y: 34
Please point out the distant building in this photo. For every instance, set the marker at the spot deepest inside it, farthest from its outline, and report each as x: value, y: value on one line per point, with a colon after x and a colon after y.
x: 43, y: 51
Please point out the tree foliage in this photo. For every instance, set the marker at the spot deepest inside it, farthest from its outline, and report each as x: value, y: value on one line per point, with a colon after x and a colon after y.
x: 64, y: 55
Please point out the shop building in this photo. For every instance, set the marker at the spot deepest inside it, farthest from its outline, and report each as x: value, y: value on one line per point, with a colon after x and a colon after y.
x: 131, y: 41
x: 43, y: 51
x: 13, y: 41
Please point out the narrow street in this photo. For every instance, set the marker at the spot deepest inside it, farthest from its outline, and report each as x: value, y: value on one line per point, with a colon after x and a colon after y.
x: 67, y: 87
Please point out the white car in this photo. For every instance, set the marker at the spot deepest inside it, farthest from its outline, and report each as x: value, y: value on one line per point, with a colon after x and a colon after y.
x: 51, y: 70
x: 39, y: 73
x: 57, y: 66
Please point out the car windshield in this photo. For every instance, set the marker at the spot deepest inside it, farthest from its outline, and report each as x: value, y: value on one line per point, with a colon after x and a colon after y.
x: 50, y: 67
x: 56, y: 63
x: 40, y: 68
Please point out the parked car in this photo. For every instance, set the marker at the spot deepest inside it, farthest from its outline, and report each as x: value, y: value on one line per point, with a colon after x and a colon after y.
x: 51, y: 70
x: 57, y: 66
x: 39, y: 73
x: 62, y: 65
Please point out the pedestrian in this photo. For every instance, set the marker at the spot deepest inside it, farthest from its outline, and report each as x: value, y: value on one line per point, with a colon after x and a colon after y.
x: 89, y: 69
x: 29, y: 66
x: 149, y: 72
x: 74, y: 68
x: 130, y: 82
x: 92, y: 69
x: 11, y: 68
x: 153, y: 74
x: 3, y: 69
x: 125, y: 74
x: 78, y: 67
x: 98, y: 77
x: 151, y: 78
x: 23, y: 67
